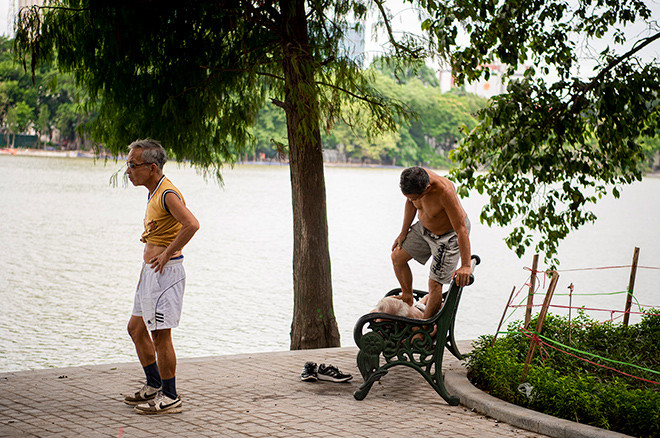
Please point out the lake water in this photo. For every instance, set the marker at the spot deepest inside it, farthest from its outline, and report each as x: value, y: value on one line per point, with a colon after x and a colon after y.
x: 70, y: 258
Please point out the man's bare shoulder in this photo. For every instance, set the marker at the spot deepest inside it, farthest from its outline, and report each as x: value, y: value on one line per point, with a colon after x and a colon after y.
x: 441, y: 184
x: 431, y: 173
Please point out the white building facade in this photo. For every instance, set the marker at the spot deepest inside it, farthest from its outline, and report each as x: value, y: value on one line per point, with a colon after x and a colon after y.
x: 496, y: 84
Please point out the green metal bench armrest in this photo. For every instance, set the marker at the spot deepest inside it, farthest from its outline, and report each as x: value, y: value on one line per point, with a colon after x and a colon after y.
x: 417, y: 294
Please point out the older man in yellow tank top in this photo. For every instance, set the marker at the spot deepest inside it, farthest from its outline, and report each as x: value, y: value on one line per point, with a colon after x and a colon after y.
x: 168, y: 227
x: 441, y: 233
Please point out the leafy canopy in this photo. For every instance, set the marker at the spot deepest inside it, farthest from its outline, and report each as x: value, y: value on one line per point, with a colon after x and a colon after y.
x: 548, y: 150
x: 195, y: 74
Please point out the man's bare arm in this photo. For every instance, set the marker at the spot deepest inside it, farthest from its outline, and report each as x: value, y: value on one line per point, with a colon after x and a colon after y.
x: 409, y: 213
x: 456, y: 216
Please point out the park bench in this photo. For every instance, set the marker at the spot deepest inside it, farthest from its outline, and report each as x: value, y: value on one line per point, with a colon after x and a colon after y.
x: 409, y: 342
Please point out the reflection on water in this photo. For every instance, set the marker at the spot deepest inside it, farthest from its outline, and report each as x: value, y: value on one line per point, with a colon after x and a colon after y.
x: 71, y: 256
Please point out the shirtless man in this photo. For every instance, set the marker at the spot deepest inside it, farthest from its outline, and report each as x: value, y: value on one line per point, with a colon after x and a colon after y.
x: 441, y: 232
x: 168, y: 227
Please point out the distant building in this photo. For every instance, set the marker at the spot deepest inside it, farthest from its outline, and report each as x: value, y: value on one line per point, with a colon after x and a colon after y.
x: 14, y: 6
x: 446, y: 79
x: 484, y: 88
x: 353, y: 44
x: 24, y: 3
x: 20, y: 4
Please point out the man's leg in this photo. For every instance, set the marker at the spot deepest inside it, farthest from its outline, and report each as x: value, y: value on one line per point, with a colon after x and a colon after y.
x: 400, y: 259
x: 144, y: 346
x: 167, y: 401
x: 146, y: 352
x: 166, y: 360
x: 434, y: 302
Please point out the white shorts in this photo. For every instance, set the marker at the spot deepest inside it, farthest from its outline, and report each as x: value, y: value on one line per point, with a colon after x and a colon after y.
x: 159, y: 296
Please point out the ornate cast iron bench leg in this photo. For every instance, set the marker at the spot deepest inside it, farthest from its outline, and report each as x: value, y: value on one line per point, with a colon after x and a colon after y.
x: 445, y: 325
x: 368, y: 361
x: 451, y: 341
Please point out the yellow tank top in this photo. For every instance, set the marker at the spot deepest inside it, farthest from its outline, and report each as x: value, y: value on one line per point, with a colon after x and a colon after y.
x: 160, y: 227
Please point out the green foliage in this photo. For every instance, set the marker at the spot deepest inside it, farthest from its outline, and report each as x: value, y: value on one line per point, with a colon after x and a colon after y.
x: 152, y: 83
x: 550, y: 151
x: 567, y: 387
x: 393, y: 69
x: 424, y: 140
x: 651, y: 148
x: 19, y: 117
x: 356, y: 142
x: 197, y: 75
x: 46, y: 101
x: 269, y: 131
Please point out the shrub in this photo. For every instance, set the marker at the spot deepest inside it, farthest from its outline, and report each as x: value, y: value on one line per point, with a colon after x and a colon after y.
x: 567, y: 387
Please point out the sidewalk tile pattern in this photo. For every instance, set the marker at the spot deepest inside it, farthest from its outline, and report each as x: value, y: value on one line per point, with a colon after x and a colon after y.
x: 248, y: 395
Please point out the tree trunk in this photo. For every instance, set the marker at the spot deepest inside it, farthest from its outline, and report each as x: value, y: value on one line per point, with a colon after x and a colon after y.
x: 314, y: 324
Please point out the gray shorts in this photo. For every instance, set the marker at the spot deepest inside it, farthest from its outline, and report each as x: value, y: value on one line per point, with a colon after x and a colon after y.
x: 159, y: 296
x: 421, y: 244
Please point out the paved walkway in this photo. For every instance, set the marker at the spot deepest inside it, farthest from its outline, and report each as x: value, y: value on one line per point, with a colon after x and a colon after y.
x: 253, y: 395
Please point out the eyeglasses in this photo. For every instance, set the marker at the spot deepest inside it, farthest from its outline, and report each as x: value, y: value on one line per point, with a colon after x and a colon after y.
x: 132, y: 165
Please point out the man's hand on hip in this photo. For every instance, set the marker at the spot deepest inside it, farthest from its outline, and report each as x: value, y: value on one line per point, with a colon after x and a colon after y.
x: 158, y: 262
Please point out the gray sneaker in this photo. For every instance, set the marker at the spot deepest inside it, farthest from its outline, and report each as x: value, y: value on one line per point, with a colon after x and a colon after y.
x: 332, y: 374
x: 143, y: 395
x: 162, y: 404
x: 309, y: 372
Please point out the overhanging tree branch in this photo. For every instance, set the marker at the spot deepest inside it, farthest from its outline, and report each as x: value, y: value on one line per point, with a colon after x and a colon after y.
x: 598, y: 78
x: 279, y: 103
x: 269, y: 75
x: 350, y: 93
x: 413, y: 53
x: 62, y: 8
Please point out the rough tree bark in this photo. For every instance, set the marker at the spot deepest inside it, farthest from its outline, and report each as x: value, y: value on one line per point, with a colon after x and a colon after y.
x: 312, y: 283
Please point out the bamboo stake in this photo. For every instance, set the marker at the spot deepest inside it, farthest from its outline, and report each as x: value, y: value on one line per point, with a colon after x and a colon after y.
x: 508, y: 303
x: 530, y: 294
x: 570, y: 307
x: 539, y: 323
x: 631, y: 286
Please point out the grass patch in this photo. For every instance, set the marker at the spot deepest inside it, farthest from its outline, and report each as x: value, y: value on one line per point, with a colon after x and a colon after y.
x: 566, y: 387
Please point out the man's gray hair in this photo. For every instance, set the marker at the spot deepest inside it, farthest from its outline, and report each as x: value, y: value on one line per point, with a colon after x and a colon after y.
x: 393, y: 306
x: 152, y: 151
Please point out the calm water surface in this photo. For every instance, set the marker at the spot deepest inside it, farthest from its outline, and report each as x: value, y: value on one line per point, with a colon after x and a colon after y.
x: 70, y: 257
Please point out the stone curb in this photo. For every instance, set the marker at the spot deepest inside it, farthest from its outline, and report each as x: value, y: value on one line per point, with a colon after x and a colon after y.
x: 471, y: 397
